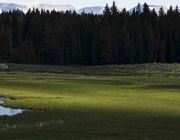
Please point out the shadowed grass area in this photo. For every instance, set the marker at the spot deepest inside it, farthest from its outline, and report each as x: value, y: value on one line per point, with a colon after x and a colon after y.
x: 88, y: 106
x: 175, y: 87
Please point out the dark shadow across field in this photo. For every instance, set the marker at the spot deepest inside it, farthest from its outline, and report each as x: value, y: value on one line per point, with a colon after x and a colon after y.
x: 92, y: 124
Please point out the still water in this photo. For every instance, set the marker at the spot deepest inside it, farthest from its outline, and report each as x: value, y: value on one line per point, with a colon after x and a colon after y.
x: 5, y: 111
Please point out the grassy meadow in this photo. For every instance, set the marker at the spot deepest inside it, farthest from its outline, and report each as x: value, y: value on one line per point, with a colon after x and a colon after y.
x: 128, y: 102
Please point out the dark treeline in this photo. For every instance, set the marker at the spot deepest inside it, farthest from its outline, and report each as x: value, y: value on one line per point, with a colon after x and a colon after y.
x: 43, y: 37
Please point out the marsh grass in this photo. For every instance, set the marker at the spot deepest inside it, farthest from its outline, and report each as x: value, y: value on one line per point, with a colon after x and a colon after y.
x: 24, y: 125
x: 109, y: 102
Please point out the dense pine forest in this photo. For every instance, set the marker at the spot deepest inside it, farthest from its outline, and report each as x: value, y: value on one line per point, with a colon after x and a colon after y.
x: 69, y: 38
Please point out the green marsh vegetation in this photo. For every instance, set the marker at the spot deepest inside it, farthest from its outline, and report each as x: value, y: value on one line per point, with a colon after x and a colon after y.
x: 136, y: 102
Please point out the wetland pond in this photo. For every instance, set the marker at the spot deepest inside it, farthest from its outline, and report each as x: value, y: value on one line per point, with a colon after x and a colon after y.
x: 5, y: 111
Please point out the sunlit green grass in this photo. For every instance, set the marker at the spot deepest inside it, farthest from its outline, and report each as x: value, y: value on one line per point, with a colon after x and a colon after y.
x: 88, y: 106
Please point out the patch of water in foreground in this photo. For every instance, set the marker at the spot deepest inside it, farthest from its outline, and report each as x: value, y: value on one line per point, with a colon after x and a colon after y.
x: 5, y: 111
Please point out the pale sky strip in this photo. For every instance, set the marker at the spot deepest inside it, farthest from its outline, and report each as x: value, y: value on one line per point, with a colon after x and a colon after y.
x: 86, y: 3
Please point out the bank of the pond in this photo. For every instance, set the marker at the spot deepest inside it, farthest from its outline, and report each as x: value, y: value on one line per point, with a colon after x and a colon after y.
x: 5, y: 111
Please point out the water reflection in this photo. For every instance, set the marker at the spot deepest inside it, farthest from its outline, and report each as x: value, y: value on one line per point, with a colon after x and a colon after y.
x: 5, y: 111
